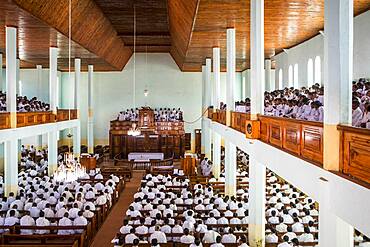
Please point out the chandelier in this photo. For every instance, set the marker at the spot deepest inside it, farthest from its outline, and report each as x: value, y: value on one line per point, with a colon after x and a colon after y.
x: 134, y: 131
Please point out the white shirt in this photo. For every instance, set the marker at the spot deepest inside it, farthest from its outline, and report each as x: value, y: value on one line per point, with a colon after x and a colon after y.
x: 27, y: 221
x: 41, y: 221
x: 160, y: 236
x: 187, y: 239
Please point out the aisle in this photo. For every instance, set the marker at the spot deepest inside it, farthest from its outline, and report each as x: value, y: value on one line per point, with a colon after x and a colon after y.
x: 115, y: 219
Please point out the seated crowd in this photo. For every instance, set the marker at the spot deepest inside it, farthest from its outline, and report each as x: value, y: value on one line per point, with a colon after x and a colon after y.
x: 24, y: 104
x: 43, y: 201
x: 160, y: 115
x: 308, y: 103
x: 176, y: 209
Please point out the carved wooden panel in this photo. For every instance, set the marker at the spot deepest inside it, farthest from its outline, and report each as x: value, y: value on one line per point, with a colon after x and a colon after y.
x: 264, y: 130
x: 292, y: 137
x: 4, y: 120
x: 355, y: 151
x: 276, y: 133
x: 312, y: 143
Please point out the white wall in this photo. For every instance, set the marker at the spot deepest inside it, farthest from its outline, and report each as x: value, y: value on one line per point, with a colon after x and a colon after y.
x: 246, y: 76
x: 167, y: 85
x: 315, y: 47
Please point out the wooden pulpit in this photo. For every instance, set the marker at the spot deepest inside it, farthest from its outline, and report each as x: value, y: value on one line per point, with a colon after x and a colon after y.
x: 146, y: 118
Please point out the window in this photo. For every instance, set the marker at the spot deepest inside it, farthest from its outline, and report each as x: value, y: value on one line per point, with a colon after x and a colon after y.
x: 280, y: 79
x: 20, y: 90
x: 290, y: 76
x: 318, y: 70
x: 296, y: 75
x: 310, y: 73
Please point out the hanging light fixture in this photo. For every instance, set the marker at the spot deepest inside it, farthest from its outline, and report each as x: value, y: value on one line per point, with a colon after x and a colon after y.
x: 69, y: 135
x: 146, y: 91
x: 134, y: 130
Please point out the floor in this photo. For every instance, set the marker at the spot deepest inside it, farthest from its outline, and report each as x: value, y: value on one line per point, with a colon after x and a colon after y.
x: 114, y: 220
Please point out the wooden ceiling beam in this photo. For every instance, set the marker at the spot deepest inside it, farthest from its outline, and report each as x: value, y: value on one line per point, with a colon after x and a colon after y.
x: 90, y: 27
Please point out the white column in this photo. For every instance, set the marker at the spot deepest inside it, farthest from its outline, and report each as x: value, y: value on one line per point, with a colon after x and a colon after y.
x: 53, y: 78
x: 208, y: 85
x: 39, y: 81
x: 90, y: 118
x: 257, y: 57
x: 2, y: 86
x: 338, y: 67
x: 77, y: 84
x: 268, y: 86
x: 11, y: 70
x: 52, y: 152
x: 11, y: 166
x: 333, y: 231
x: 216, y: 168
x: 204, y: 108
x: 257, y: 199
x: 230, y: 168
x: 39, y: 95
x: 230, y: 74
x: 77, y: 141
x: 216, y: 77
x: 17, y: 76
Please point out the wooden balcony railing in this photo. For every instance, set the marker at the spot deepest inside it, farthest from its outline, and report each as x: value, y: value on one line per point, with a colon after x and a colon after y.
x: 66, y: 114
x: 5, y: 120
x: 355, y: 152
x: 301, y: 138
x: 219, y: 116
x: 34, y: 118
x: 210, y: 112
x: 238, y: 120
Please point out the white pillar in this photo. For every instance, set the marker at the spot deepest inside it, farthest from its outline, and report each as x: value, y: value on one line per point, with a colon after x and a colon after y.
x: 52, y: 152
x: 257, y: 200
x: 77, y: 84
x: 17, y: 76
x: 257, y: 57
x: 77, y: 140
x: 216, y: 168
x: 216, y: 78
x: 204, y: 108
x: 39, y: 95
x: 230, y: 168
x: 268, y: 86
x: 208, y: 85
x: 11, y: 166
x: 230, y: 74
x: 53, y: 78
x: 90, y: 118
x: 338, y: 67
x: 11, y: 70
x: 333, y: 231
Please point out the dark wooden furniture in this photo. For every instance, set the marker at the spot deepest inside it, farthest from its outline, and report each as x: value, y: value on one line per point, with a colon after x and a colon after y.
x: 219, y: 116
x: 355, y: 152
x: 198, y: 141
x: 34, y: 118
x: 88, y: 162
x: 301, y: 138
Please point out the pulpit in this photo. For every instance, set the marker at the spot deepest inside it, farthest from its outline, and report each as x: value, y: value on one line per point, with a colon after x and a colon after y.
x: 146, y: 118
x: 88, y: 162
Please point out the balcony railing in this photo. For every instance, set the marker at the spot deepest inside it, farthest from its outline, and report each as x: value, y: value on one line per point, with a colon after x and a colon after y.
x: 34, y: 118
x: 301, y: 138
x: 5, y: 120
x: 238, y: 120
x: 355, y: 152
x: 219, y: 116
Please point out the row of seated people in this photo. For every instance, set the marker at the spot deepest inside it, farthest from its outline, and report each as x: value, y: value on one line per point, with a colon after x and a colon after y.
x: 308, y: 103
x: 44, y: 205
x: 164, y: 207
x: 24, y: 104
x: 160, y: 115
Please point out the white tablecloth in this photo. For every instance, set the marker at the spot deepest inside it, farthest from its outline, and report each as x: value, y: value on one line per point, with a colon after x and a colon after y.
x: 145, y: 156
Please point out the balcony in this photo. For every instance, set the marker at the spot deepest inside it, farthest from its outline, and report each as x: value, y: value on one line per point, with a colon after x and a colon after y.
x: 25, y: 119
x: 305, y: 140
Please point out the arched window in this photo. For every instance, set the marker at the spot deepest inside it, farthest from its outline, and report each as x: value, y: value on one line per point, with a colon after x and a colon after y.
x: 295, y: 75
x: 310, y: 72
x: 280, y: 79
x: 318, y: 70
x: 290, y: 76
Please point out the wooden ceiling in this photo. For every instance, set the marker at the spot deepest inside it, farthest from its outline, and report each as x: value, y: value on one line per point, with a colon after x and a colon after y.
x: 102, y: 30
x: 152, y: 31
